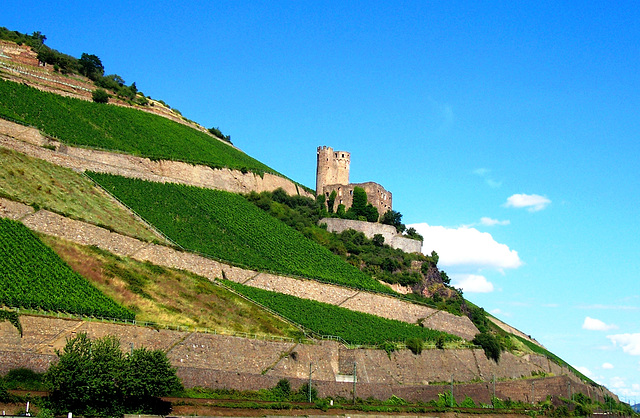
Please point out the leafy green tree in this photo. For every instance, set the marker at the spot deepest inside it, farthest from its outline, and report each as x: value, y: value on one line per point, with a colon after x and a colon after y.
x: 378, y: 240
x: 415, y: 345
x: 489, y: 344
x: 100, y: 96
x: 96, y: 378
x: 393, y: 218
x: 149, y: 374
x: 90, y: 66
x: 360, y: 208
x: 331, y: 201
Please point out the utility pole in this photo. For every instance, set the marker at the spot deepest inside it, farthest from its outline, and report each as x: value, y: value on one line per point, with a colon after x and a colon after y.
x: 533, y: 392
x: 354, y: 382
x: 310, y: 371
x: 451, y: 390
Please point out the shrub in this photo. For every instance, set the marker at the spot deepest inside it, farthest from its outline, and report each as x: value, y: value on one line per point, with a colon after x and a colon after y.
x: 415, y: 345
x: 100, y: 96
x: 489, y: 344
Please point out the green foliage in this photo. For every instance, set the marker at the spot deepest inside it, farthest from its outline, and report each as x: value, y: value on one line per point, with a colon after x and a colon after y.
x: 244, y: 235
x: 78, y: 122
x: 446, y: 400
x: 489, y: 344
x: 95, y: 378
x: 217, y: 132
x: 468, y: 403
x: 539, y: 350
x: 33, y: 276
x: 413, y: 234
x: 393, y: 218
x: 361, y: 208
x: 90, y: 66
x: 324, y: 319
x: 10, y: 316
x: 100, y: 96
x: 416, y: 344
x: 331, y: 200
x: 24, y: 379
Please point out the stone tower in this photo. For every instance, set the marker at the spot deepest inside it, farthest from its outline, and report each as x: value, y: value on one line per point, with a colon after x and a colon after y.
x: 333, y: 168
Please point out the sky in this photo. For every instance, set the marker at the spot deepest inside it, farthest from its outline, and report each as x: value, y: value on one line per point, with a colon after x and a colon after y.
x: 508, y: 132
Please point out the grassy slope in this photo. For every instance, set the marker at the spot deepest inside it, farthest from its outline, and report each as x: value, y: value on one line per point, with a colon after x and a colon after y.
x: 166, y: 296
x: 83, y: 123
x: 45, y: 185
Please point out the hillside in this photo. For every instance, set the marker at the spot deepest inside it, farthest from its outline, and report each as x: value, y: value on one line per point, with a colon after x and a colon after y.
x: 250, y: 254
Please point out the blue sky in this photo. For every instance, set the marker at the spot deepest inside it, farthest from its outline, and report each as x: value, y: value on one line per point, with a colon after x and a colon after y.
x: 507, y: 132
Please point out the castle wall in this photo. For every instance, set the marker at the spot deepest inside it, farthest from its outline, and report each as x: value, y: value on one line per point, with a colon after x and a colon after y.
x: 369, y: 229
x: 376, y: 195
x: 220, y: 361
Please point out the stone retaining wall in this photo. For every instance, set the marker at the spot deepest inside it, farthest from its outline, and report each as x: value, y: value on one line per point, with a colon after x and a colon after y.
x: 31, y: 142
x: 369, y: 229
x: 385, y: 306
x: 219, y: 361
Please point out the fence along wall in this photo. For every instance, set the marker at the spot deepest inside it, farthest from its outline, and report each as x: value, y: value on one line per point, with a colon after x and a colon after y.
x: 219, y: 361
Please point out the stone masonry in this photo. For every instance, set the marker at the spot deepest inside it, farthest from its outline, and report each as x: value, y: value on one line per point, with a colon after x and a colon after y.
x: 86, y: 234
x: 369, y: 229
x: 220, y: 361
x: 31, y: 142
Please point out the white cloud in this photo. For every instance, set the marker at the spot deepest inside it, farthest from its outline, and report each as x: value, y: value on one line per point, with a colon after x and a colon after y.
x: 491, y: 222
x: 473, y: 283
x: 485, y: 174
x: 466, y: 247
x: 585, y: 371
x: 532, y: 202
x: 630, y: 343
x: 617, y: 382
x: 593, y: 324
x: 607, y: 366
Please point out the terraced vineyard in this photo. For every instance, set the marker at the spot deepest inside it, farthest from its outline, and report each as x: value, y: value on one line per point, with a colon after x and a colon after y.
x: 226, y: 226
x: 33, y: 276
x: 78, y: 122
x: 325, y: 319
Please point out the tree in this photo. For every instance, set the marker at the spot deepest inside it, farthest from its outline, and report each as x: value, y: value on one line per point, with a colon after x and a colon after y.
x: 331, y: 201
x: 90, y: 66
x: 489, y: 344
x: 100, y: 96
x: 96, y: 378
x: 149, y: 374
x: 378, y: 240
x: 361, y: 208
x: 393, y: 218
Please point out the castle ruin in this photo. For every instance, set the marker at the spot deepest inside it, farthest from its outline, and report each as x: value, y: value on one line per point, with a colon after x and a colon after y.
x: 333, y: 175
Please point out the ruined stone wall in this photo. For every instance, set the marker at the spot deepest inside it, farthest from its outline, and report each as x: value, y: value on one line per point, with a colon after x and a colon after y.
x: 31, y: 142
x: 221, y: 361
x: 369, y: 229
x: 86, y: 234
x: 376, y: 195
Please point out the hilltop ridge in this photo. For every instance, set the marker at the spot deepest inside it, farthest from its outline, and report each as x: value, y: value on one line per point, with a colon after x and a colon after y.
x: 404, y: 372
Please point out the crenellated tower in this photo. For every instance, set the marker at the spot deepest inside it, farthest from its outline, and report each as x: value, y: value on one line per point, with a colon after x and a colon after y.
x: 332, y: 168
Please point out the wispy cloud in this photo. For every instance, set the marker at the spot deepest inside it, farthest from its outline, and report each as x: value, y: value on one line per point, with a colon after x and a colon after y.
x: 472, y: 283
x: 610, y: 307
x: 485, y: 173
x: 630, y: 343
x: 593, y: 324
x: 607, y: 366
x: 531, y: 202
x: 466, y: 247
x: 486, y: 221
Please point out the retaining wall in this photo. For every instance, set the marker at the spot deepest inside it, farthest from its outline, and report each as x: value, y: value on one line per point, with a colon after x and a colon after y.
x: 86, y: 234
x: 219, y: 361
x: 31, y: 142
x: 369, y: 229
